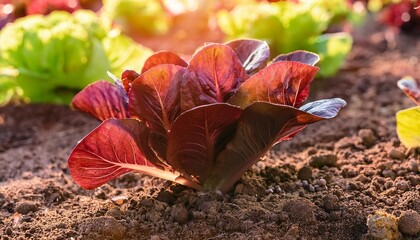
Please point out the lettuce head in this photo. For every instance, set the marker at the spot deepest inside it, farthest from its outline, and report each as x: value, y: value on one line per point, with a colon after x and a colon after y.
x: 49, y: 58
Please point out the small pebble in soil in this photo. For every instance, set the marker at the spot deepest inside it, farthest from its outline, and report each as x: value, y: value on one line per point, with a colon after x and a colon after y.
x: 100, y: 194
x: 311, y: 151
x: 409, y: 223
x: 239, y: 188
x: 26, y: 207
x: 389, y: 174
x: 322, y: 182
x: 396, y: 154
x: 155, y: 237
x: 311, y: 188
x: 305, y: 173
x: 104, y: 227
x: 17, y: 219
x: 402, y: 185
x: 388, y: 184
x: 119, y: 200
x: 300, y: 211
x: 362, y: 178
x: 114, y: 212
x: 147, y: 202
x: 320, y: 188
x: 367, y: 137
x: 198, y: 215
x: 323, y: 159
x: 385, y: 165
x: 180, y: 214
x: 277, y: 189
x: 413, y: 166
x: 269, y: 190
x: 331, y: 202
x: 395, y: 142
x: 382, y: 225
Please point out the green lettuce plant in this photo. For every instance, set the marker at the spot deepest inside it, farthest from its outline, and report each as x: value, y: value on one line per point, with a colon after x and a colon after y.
x: 291, y: 25
x: 49, y: 58
x: 138, y: 17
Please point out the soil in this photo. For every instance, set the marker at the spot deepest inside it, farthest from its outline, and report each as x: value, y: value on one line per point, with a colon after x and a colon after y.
x: 346, y: 178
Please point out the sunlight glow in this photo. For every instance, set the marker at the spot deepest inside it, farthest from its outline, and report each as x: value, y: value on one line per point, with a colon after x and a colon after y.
x: 7, y: 9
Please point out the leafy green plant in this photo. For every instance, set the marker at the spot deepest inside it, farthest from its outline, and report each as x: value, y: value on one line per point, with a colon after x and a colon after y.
x: 13, y: 9
x: 292, y: 25
x: 138, y: 17
x: 408, y: 120
x: 201, y: 123
x: 49, y: 58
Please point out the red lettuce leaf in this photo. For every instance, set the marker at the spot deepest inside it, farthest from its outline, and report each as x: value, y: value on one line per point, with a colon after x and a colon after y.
x: 253, y: 54
x: 260, y: 126
x: 113, y: 149
x: 284, y: 83
x: 141, y: 134
x: 163, y: 57
x: 213, y: 75
x: 409, y: 86
x: 198, y: 136
x: 155, y: 99
x: 127, y: 78
x: 299, y: 56
x: 102, y: 100
x: 107, y: 152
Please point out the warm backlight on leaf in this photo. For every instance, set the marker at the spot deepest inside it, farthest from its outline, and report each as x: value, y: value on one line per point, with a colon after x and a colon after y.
x: 409, y: 86
x: 201, y: 123
x: 408, y: 120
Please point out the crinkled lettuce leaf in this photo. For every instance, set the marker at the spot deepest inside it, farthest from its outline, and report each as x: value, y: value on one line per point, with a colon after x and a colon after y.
x: 137, y: 16
x: 57, y: 55
x: 288, y: 26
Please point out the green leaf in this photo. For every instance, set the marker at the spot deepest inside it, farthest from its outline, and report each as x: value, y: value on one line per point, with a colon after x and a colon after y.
x: 59, y: 54
x: 7, y: 90
x: 332, y: 49
x: 292, y: 25
x: 137, y: 17
x: 123, y: 53
x: 408, y: 127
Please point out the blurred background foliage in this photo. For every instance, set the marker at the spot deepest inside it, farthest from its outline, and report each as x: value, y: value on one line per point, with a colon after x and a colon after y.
x: 51, y: 49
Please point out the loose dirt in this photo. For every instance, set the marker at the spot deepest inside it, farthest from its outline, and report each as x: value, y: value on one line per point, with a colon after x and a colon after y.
x: 347, y: 178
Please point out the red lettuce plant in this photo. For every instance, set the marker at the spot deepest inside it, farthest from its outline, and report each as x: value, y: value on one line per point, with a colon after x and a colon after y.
x: 201, y: 123
x: 403, y: 14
